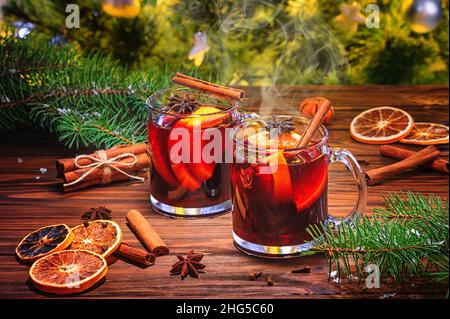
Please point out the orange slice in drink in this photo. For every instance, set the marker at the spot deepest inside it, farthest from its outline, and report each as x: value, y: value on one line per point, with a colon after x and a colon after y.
x: 191, y: 175
x: 284, y: 141
x: 68, y: 271
x: 276, y: 170
x: 381, y: 125
x: 278, y: 179
x: 157, y: 138
x: 180, y: 168
x: 427, y: 134
x: 210, y: 116
x: 102, y: 237
x: 44, y: 241
x: 310, y: 185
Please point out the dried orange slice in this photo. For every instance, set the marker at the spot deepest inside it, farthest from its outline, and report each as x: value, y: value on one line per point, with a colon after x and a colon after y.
x: 427, y: 134
x: 381, y: 125
x: 44, y: 241
x: 68, y: 271
x: 102, y: 237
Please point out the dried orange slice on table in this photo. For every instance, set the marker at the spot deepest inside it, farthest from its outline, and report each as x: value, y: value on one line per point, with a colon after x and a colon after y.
x: 100, y: 236
x: 68, y: 271
x: 427, y: 134
x: 44, y: 241
x: 381, y: 125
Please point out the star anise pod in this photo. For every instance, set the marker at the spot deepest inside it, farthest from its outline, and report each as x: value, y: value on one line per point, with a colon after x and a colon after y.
x: 96, y: 213
x: 183, y: 104
x: 283, y: 126
x: 188, y: 266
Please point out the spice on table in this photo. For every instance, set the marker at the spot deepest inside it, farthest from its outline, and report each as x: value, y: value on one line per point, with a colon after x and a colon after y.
x: 126, y: 162
x: 269, y: 280
x: 188, y: 266
x: 303, y: 270
x: 254, y: 275
x: 146, y: 233
x: 68, y: 164
x: 380, y: 174
x: 197, y: 84
x: 138, y: 255
x: 96, y: 213
x: 438, y: 164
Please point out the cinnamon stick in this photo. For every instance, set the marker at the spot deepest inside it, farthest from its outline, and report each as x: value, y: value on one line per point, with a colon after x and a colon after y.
x: 438, y: 164
x: 207, y: 87
x: 314, y: 125
x: 68, y: 164
x: 138, y: 255
x: 378, y: 175
x: 146, y: 233
x: 114, y: 178
x: 142, y: 161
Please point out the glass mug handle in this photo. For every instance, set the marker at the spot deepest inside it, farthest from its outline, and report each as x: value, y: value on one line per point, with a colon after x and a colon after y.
x: 346, y: 157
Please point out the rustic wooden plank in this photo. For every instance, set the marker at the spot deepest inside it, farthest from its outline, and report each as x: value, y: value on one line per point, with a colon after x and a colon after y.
x: 27, y: 203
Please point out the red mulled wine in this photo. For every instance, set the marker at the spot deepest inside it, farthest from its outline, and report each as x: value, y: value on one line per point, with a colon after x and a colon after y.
x: 280, y: 189
x: 186, y: 180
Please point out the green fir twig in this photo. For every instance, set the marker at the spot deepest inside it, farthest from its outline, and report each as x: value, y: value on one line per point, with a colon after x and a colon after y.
x: 86, y: 99
x: 407, y: 238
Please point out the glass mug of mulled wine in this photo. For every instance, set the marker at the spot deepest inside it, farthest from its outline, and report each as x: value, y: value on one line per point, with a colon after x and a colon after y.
x: 187, y: 134
x: 280, y: 189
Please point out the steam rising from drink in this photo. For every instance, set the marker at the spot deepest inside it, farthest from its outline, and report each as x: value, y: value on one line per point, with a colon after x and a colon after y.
x: 304, y: 50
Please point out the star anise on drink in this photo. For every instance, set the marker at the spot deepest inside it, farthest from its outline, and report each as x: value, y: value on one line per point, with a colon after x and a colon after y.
x: 96, y: 213
x: 183, y: 104
x: 283, y: 126
x: 188, y: 266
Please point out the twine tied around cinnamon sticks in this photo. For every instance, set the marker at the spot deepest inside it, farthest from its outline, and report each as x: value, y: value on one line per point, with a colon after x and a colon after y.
x: 101, y: 160
x: 102, y: 167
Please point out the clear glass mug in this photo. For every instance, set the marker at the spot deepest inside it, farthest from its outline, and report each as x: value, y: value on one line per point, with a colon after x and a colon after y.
x: 274, y: 203
x: 193, y: 186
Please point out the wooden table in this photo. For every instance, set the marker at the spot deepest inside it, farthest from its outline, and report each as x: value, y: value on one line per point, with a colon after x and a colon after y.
x: 29, y: 200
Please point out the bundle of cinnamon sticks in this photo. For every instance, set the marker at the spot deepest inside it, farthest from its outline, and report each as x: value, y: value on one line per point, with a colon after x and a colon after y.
x: 124, y: 162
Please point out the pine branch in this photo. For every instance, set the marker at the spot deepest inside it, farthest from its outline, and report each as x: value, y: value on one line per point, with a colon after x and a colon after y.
x: 407, y: 238
x: 86, y: 99
x: 40, y: 98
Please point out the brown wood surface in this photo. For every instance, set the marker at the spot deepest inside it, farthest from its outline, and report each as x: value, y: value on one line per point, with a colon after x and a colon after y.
x: 27, y: 203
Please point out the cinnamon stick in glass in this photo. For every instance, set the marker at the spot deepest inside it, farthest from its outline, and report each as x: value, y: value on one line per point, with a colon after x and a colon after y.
x: 438, y: 164
x: 146, y: 233
x: 315, y: 123
x: 380, y: 174
x: 207, y: 87
x: 138, y: 255
x: 68, y: 164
